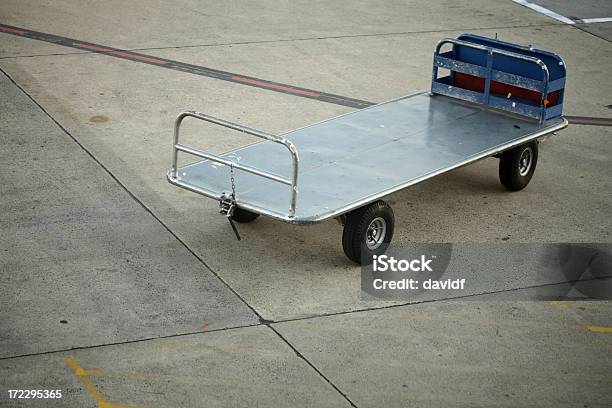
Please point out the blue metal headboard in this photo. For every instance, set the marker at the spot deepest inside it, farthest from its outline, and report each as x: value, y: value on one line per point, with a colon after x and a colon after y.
x: 506, y: 66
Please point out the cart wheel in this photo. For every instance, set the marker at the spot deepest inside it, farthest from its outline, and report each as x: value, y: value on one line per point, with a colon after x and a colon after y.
x: 517, y: 165
x: 243, y: 216
x: 367, y: 232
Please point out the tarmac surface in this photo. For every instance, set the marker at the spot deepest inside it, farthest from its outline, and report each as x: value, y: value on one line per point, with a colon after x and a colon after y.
x: 122, y: 290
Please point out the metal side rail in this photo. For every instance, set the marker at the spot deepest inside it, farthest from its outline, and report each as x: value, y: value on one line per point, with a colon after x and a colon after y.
x: 173, y: 176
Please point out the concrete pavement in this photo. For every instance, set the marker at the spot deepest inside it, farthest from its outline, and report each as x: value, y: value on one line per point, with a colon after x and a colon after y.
x: 127, y: 264
x: 78, y: 249
x: 470, y: 354
x: 141, y: 102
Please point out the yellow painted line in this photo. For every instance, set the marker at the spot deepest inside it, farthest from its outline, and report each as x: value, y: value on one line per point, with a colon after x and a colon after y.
x: 83, y: 376
x: 84, y: 379
x: 597, y: 329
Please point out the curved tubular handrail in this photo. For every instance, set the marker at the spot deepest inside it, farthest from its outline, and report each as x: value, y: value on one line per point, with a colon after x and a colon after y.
x: 255, y: 132
x: 492, y: 50
x: 496, y: 51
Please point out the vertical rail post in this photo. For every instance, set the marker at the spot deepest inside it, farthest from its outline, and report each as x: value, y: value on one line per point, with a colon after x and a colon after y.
x: 487, y: 89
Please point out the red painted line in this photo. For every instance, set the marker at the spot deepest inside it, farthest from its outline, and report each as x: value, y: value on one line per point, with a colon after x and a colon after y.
x: 92, y: 47
x: 274, y: 86
x: 138, y: 57
x: 184, y: 67
x: 122, y: 54
x: 12, y: 30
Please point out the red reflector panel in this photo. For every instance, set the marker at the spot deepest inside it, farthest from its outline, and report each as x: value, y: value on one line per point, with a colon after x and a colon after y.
x: 477, y: 84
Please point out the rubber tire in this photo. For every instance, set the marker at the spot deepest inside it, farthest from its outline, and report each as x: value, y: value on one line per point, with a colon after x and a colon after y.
x: 243, y: 216
x: 509, y: 174
x: 355, y: 229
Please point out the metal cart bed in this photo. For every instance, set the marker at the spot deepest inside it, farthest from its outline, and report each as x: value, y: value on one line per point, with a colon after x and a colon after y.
x: 339, y: 166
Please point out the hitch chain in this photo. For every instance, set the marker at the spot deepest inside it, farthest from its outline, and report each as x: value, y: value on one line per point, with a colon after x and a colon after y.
x: 227, y: 204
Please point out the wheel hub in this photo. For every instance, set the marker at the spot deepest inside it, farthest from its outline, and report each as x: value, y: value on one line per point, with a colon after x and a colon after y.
x: 375, y: 234
x: 525, y: 161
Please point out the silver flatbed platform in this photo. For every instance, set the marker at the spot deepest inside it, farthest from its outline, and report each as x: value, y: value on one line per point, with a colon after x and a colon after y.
x: 354, y: 159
